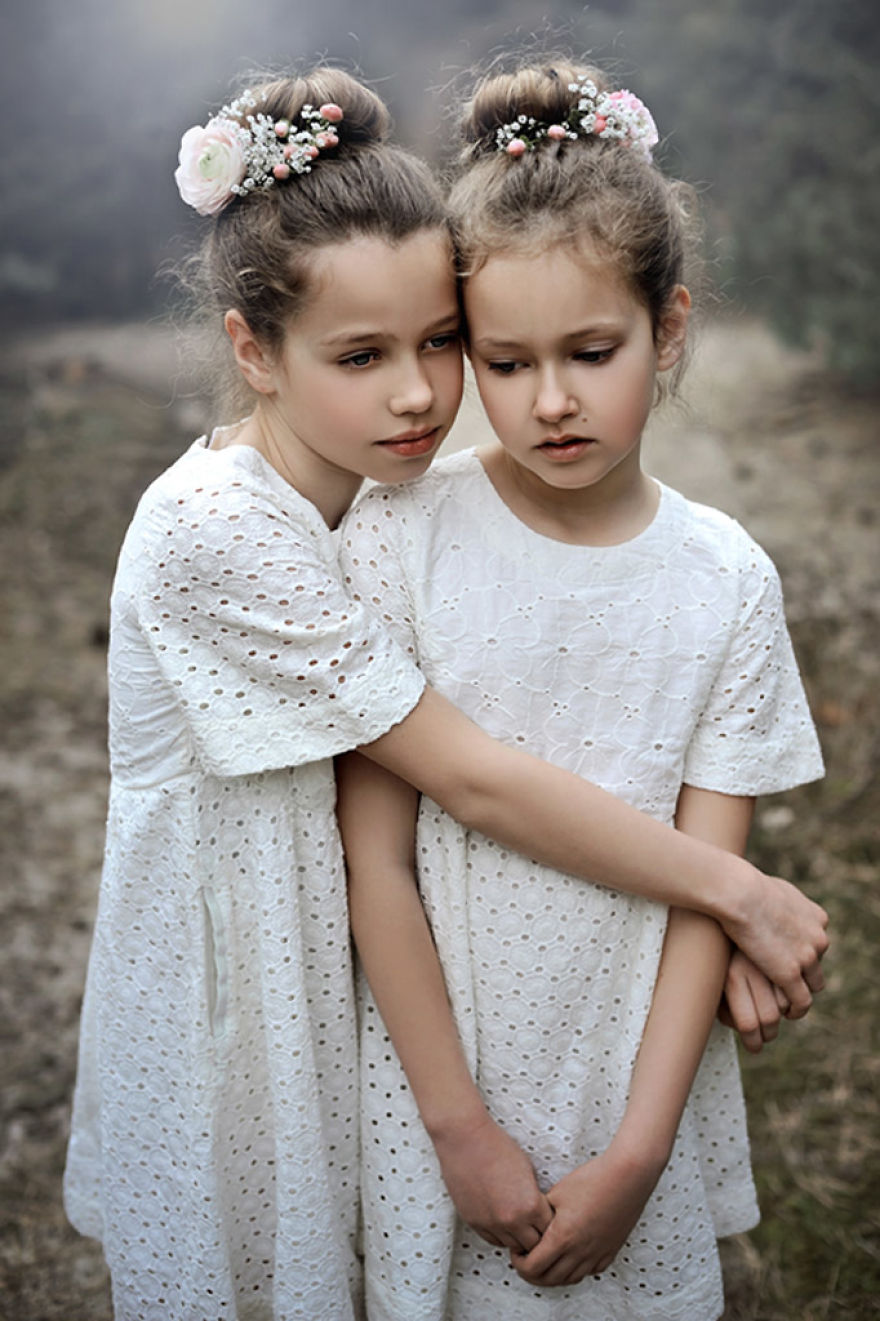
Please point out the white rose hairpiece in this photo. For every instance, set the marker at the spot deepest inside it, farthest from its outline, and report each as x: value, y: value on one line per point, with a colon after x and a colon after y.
x: 619, y: 115
x: 228, y: 158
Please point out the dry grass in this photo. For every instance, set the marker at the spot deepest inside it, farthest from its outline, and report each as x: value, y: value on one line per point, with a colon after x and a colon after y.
x: 796, y: 462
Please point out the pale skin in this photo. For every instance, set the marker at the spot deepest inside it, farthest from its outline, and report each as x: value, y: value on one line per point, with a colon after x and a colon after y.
x: 366, y: 384
x: 577, y: 1228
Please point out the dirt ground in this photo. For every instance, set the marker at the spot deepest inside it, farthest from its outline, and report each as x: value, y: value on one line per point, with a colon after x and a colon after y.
x: 88, y: 416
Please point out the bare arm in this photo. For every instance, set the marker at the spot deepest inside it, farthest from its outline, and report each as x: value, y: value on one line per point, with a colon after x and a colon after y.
x: 599, y: 1203
x: 488, y: 1177
x: 751, y: 1004
x: 572, y: 825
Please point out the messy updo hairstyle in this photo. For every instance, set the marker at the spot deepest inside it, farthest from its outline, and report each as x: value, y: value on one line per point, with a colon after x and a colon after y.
x: 257, y: 257
x: 598, y: 197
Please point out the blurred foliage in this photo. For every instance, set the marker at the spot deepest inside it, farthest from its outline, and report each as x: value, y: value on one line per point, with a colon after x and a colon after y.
x: 769, y: 108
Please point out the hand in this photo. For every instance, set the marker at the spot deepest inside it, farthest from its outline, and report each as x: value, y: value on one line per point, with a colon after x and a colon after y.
x: 783, y: 933
x: 752, y: 1005
x: 491, y: 1181
x: 596, y: 1208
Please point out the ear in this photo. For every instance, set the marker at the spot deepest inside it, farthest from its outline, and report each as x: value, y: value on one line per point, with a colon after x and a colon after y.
x: 672, y: 328
x: 254, y: 362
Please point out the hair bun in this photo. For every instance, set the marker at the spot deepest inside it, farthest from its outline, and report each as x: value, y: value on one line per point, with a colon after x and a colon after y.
x: 365, y: 118
x: 538, y: 91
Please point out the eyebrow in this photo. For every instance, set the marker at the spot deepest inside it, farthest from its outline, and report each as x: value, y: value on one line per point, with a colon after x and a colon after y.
x: 488, y: 343
x: 366, y: 335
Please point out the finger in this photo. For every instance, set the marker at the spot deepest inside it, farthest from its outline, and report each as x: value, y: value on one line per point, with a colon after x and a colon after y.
x: 542, y: 1218
x: 782, y: 1001
x: 568, y: 1268
x: 526, y: 1238
x: 799, y: 997
x: 814, y: 977
x: 542, y: 1258
x: 766, y: 1008
x: 490, y: 1237
x: 745, y: 1016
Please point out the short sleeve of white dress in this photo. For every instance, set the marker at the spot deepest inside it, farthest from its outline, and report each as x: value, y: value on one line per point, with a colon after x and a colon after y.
x: 372, y: 553
x: 755, y: 734
x: 241, y: 600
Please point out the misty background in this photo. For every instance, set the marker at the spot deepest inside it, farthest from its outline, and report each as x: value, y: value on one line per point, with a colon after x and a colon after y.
x: 771, y: 108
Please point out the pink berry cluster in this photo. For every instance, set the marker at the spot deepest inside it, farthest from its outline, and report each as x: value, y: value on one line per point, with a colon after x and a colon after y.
x: 609, y: 115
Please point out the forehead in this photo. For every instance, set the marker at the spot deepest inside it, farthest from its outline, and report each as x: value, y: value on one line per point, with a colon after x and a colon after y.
x: 556, y: 286
x: 369, y: 279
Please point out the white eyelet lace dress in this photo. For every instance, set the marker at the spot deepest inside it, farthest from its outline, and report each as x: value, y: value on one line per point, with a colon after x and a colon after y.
x: 214, y: 1146
x: 641, y: 666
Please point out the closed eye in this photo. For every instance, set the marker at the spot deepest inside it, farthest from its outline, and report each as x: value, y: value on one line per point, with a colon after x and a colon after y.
x: 504, y: 366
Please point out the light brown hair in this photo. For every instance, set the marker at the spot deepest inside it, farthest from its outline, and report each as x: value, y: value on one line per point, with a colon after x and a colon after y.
x: 595, y: 196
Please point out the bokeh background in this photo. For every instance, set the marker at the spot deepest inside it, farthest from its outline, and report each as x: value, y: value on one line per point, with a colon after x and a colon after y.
x: 771, y: 108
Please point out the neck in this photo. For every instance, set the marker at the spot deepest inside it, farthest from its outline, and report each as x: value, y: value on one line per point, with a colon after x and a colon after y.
x: 329, y: 488
x: 606, y: 513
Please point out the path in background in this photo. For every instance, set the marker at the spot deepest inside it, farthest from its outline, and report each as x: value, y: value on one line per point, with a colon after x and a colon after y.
x: 88, y: 416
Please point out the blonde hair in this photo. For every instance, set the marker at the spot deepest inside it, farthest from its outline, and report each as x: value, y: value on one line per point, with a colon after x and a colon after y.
x: 596, y: 196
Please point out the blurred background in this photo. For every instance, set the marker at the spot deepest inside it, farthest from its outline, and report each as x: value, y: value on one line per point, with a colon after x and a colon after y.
x: 770, y: 107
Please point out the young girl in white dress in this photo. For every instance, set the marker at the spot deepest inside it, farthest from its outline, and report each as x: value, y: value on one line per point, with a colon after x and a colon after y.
x: 574, y: 606
x: 214, y: 1147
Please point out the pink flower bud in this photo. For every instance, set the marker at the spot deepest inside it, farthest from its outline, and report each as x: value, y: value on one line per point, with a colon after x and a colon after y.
x: 556, y: 132
x: 332, y: 139
x: 515, y: 147
x: 288, y: 151
x: 282, y: 128
x: 311, y: 151
x: 322, y: 140
x: 281, y: 171
x: 331, y: 111
x: 600, y: 124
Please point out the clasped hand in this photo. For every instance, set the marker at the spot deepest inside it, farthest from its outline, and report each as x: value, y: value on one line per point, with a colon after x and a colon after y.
x: 575, y: 1230
x: 595, y: 1208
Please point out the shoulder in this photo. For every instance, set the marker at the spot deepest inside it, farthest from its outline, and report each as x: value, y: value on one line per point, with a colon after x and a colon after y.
x: 709, y: 538
x: 209, y: 491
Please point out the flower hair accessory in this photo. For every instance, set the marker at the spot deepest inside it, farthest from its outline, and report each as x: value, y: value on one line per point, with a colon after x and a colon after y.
x: 237, y: 152
x: 619, y: 115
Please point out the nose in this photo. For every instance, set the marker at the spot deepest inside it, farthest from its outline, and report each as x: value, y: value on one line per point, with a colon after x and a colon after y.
x: 552, y: 400
x: 413, y: 391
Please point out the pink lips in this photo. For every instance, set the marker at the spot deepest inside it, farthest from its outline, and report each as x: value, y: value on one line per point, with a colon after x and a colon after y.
x: 411, y: 443
x: 565, y: 448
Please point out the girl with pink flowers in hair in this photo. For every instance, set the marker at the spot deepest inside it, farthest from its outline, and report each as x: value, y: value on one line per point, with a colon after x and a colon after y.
x: 214, y: 1147
x: 571, y: 605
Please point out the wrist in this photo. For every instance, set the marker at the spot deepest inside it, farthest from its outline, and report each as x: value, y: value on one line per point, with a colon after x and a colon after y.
x: 734, y: 896
x: 452, y: 1123
x: 640, y: 1154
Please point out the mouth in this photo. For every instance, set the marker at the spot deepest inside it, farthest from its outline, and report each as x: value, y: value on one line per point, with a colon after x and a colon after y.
x: 411, y: 444
x: 562, y: 448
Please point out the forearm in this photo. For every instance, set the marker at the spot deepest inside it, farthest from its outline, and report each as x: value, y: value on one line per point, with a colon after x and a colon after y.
x: 400, y: 963
x: 390, y: 929
x: 685, y: 1002
x: 556, y: 817
x: 690, y: 980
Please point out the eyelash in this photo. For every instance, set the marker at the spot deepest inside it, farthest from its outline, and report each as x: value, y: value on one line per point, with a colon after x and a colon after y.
x: 510, y: 366
x: 364, y: 357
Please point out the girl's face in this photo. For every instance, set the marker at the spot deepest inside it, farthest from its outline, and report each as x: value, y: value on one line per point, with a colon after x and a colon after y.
x: 565, y: 360
x: 369, y: 377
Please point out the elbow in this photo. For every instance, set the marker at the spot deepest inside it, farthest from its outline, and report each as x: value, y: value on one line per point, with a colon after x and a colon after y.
x: 469, y: 798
